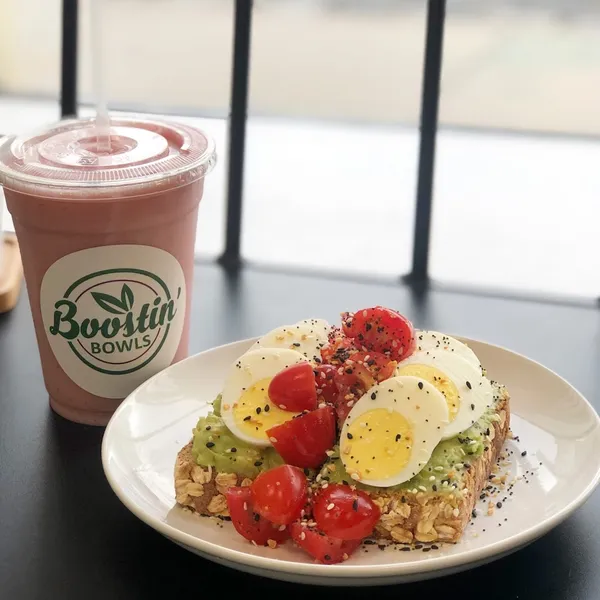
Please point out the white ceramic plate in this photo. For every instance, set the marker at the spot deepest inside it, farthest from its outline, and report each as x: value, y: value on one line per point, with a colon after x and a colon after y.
x: 557, y: 427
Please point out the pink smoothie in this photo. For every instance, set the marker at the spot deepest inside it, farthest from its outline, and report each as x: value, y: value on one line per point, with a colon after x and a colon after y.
x: 107, y: 241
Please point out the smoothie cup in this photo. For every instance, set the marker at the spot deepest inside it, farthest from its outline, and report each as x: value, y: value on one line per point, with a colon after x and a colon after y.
x: 107, y: 230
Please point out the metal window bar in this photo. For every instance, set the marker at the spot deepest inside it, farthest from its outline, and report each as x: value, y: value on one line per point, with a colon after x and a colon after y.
x: 430, y: 97
x: 238, y: 117
x: 68, y: 84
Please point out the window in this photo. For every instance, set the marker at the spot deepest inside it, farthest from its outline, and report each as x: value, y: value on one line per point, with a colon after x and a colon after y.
x: 517, y: 187
x: 332, y: 137
x: 330, y: 183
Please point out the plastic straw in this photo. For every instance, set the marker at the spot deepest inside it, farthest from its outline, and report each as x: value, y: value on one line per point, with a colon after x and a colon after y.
x: 102, y: 118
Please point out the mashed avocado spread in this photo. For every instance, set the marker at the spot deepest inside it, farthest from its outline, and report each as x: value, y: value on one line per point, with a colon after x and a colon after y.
x: 215, y: 446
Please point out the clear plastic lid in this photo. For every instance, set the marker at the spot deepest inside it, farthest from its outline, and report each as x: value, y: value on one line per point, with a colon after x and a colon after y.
x: 70, y: 159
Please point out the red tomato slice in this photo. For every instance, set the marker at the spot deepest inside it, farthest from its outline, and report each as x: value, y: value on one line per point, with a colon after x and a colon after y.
x: 344, y: 513
x: 304, y: 440
x: 279, y: 495
x: 350, y: 389
x: 325, y: 549
x: 248, y: 523
x: 379, y: 366
x: 294, y: 388
x: 381, y: 329
x: 326, y: 388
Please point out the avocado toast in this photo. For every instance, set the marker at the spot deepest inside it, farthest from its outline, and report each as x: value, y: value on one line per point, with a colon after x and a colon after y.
x: 395, y: 434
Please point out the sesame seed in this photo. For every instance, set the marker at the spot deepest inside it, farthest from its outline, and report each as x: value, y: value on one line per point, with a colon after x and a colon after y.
x: 330, y: 506
x: 273, y: 440
x: 469, y: 385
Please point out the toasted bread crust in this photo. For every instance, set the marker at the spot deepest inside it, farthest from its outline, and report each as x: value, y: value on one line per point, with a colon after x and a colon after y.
x: 202, y: 489
x: 407, y: 517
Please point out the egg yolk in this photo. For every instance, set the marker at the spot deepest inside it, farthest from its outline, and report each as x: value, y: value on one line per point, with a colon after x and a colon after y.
x: 377, y: 445
x: 440, y: 381
x: 254, y: 413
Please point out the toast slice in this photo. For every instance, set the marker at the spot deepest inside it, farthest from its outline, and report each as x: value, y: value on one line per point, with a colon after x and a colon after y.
x: 407, y: 515
x: 442, y: 516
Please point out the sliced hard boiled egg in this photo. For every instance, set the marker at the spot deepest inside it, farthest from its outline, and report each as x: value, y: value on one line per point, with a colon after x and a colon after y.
x: 429, y: 341
x: 467, y: 392
x: 306, y: 337
x: 390, y: 433
x: 319, y: 326
x: 245, y: 405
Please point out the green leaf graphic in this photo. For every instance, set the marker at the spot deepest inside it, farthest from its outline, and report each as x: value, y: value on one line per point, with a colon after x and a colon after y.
x: 127, y: 297
x: 109, y: 303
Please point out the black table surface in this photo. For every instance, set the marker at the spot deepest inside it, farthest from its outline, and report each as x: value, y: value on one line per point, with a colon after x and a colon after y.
x: 64, y: 534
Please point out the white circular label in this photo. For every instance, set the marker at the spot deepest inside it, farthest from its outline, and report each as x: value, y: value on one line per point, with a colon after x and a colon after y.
x: 114, y: 315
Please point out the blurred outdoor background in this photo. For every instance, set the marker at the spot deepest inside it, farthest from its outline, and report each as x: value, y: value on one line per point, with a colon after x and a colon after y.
x: 333, y: 133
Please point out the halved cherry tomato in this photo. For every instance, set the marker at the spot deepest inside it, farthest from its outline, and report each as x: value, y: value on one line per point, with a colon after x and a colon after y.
x: 326, y: 388
x: 294, y: 388
x: 345, y: 513
x: 381, y: 329
x: 279, y: 494
x: 325, y: 549
x: 248, y: 523
x: 304, y: 440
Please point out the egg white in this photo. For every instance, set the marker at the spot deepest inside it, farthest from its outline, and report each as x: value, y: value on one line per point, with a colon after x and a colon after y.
x: 306, y: 337
x: 251, y: 368
x: 423, y: 407
x: 428, y: 341
x: 475, y: 393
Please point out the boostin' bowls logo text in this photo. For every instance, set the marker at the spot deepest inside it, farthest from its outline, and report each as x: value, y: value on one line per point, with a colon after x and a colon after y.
x: 116, y: 321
